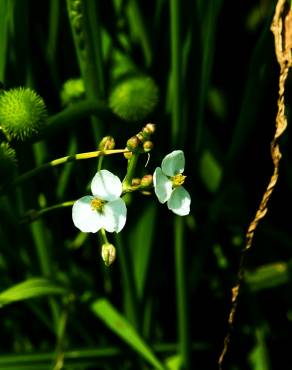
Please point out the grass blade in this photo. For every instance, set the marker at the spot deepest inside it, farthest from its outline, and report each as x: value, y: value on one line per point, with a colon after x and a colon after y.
x: 121, y: 327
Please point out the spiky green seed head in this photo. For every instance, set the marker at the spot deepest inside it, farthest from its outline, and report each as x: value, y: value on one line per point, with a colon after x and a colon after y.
x: 135, y: 98
x: 72, y: 90
x: 8, y: 163
x: 22, y: 113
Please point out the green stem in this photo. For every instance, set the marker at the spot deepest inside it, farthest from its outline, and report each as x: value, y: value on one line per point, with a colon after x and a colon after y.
x: 33, y: 215
x: 27, y: 175
x: 103, y: 236
x: 71, y: 356
x: 132, y: 162
x: 129, y: 289
x: 181, y: 299
x: 86, y: 33
x: 72, y: 114
x: 42, y: 244
x: 176, y: 70
x: 139, y: 22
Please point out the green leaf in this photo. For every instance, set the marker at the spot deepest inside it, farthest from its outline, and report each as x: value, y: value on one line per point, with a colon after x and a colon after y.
x: 30, y: 288
x: 259, y: 356
x: 122, y: 328
x: 268, y: 276
x: 174, y: 362
x: 210, y: 171
x: 4, y: 22
x: 141, y: 241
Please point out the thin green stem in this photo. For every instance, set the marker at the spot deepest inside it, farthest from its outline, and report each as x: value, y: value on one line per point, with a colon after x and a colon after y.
x: 42, y: 246
x: 130, y: 296
x: 33, y: 215
x: 132, y: 162
x: 56, y: 162
x: 181, y: 289
x: 138, y: 20
x: 85, y: 353
x: 86, y: 33
x: 103, y: 236
x: 176, y: 70
x: 72, y: 114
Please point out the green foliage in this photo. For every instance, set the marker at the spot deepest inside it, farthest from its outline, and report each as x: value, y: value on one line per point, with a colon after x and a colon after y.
x: 208, y: 80
x: 120, y: 326
x: 31, y: 288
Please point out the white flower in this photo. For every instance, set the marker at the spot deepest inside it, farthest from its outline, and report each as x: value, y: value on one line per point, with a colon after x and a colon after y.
x: 167, y: 182
x: 104, y: 209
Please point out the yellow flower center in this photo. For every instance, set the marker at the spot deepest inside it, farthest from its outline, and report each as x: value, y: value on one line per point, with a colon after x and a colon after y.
x: 178, y: 180
x: 97, y: 204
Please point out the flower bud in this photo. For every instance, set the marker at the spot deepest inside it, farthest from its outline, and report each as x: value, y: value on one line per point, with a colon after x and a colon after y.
x: 128, y: 155
x: 148, y: 146
x: 140, y: 136
x: 133, y: 143
x: 107, y: 143
x: 108, y: 253
x: 148, y: 130
x: 136, y: 181
x: 147, y: 180
x: 22, y: 113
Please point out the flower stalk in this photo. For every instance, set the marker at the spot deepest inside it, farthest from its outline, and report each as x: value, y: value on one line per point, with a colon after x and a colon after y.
x: 56, y: 162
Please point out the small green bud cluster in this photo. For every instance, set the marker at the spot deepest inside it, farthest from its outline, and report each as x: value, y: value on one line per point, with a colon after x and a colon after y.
x: 135, y: 98
x: 72, y: 91
x: 141, y: 142
x: 75, y: 8
x: 22, y: 113
x: 145, y: 182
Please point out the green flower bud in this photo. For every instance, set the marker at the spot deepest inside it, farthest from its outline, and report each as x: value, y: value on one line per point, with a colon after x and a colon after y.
x: 148, y: 130
x: 8, y: 163
x: 136, y: 181
x: 22, y: 113
x: 135, y: 98
x: 108, y: 253
x: 148, y: 146
x: 72, y: 90
x: 147, y: 180
x: 133, y: 143
x: 140, y: 136
x: 107, y: 143
x: 128, y: 155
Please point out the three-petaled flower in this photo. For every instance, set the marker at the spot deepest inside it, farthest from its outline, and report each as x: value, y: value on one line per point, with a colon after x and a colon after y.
x: 104, y: 209
x: 168, y: 182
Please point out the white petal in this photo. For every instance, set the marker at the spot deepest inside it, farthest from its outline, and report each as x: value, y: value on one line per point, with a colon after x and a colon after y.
x: 173, y: 163
x: 179, y: 202
x: 84, y: 218
x: 162, y: 185
x: 114, y: 215
x: 106, y: 186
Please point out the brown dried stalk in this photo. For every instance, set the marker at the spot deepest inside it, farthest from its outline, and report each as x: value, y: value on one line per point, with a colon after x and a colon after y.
x: 282, y: 30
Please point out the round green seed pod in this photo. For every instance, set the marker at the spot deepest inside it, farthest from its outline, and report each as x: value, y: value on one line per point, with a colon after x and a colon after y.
x: 135, y: 98
x: 22, y: 113
x: 8, y: 163
x: 72, y: 90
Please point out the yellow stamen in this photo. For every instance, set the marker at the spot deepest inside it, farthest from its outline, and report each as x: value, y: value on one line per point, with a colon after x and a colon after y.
x: 178, y: 180
x: 97, y: 204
